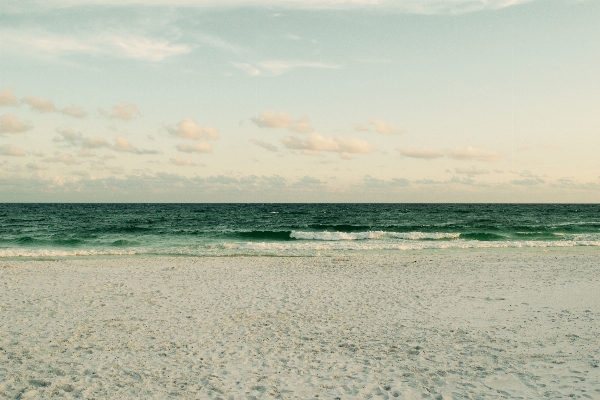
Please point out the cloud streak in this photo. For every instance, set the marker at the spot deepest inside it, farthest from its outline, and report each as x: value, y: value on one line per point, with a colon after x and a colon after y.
x: 316, y: 143
x: 120, y: 46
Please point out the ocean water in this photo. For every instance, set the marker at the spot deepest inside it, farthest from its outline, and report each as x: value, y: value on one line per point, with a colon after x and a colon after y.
x: 67, y: 230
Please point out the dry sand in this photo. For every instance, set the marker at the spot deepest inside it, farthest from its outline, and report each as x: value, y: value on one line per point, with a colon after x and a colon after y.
x: 445, y: 324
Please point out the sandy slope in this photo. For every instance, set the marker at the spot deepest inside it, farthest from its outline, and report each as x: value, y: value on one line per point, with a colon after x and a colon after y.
x: 446, y: 324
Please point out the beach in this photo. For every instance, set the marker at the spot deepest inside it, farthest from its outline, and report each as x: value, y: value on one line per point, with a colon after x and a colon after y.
x: 441, y: 324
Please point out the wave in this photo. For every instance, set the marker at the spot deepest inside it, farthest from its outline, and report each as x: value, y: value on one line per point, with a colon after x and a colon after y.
x: 337, y: 235
x: 290, y: 248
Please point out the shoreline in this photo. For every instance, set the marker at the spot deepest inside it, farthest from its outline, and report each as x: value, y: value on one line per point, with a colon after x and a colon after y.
x: 491, y: 323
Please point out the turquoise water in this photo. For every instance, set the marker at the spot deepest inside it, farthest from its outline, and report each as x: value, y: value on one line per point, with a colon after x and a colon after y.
x: 63, y: 230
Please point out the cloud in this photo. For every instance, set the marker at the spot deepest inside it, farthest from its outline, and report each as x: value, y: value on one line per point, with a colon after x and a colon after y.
x: 124, y: 146
x: 9, y: 123
x: 74, y: 111
x: 317, y: 143
x: 182, y: 162
x: 40, y: 105
x: 63, y: 158
x: 527, y: 182
x: 308, y: 181
x: 273, y: 119
x: 473, y: 154
x: 247, y: 68
x: 8, y: 98
x: 120, y: 46
x: 383, y: 128
x: 10, y: 150
x: 471, y: 171
x: 279, y: 67
x: 37, y: 166
x: 403, y: 6
x: 115, y: 169
x: 423, y: 152
x: 199, y: 147
x: 264, y: 145
x: 124, y: 111
x: 96, y: 142
x: 377, y: 126
x: 374, y: 182
x: 187, y: 128
x: 69, y: 135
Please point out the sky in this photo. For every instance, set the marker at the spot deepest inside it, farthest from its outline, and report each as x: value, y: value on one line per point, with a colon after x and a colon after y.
x: 300, y: 101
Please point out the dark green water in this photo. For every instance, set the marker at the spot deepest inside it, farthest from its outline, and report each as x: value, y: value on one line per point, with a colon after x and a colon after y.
x: 39, y: 230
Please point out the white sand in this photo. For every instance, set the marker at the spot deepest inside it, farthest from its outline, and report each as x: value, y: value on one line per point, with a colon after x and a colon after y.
x: 446, y: 324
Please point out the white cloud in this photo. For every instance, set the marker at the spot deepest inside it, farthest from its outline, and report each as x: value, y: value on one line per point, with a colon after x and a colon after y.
x: 471, y: 171
x: 10, y: 123
x: 189, y: 129
x: 527, y: 182
x: 473, y: 154
x: 264, y: 145
x: 317, y: 143
x: 199, y: 147
x: 8, y: 98
x: 122, y: 46
x: 10, y: 150
x: 423, y: 152
x: 39, y: 104
x: 124, y: 111
x: 273, y: 119
x: 182, y: 162
x: 74, y: 111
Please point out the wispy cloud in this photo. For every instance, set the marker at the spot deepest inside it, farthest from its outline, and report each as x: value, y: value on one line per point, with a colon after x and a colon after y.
x: 10, y: 150
x: 182, y: 162
x: 279, y: 67
x: 10, y: 123
x: 377, y: 126
x: 124, y: 111
x: 74, y: 111
x: 199, y: 147
x: 39, y: 104
x: 273, y: 119
x: 264, y: 145
x: 422, y: 152
x: 121, y: 46
x: 8, y: 98
x: 121, y: 145
x: 474, y: 154
x: 316, y: 143
x: 471, y: 171
x: 404, y: 6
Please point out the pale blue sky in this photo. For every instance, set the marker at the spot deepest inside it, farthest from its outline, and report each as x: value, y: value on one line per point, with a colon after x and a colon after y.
x: 300, y: 101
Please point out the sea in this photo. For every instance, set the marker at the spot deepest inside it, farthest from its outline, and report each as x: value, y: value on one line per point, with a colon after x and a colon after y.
x: 30, y: 231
